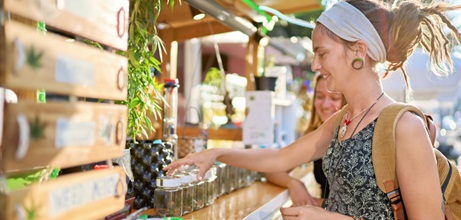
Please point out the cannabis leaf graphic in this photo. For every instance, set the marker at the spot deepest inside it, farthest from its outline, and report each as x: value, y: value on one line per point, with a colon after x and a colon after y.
x: 37, y: 129
x: 32, y: 211
x: 34, y: 57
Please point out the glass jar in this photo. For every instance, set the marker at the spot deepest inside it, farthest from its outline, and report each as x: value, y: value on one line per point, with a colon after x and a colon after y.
x: 168, y: 197
x: 187, y: 192
x: 210, y: 185
x: 221, y: 175
x: 232, y: 176
x: 199, y: 192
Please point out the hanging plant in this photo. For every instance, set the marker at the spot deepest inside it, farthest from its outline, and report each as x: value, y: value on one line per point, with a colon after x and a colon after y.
x: 144, y: 92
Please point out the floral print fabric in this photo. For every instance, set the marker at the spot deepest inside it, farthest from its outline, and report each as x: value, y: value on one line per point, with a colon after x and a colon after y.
x: 349, y: 169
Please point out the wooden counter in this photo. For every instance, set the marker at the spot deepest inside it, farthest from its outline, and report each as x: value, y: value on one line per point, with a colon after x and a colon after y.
x: 260, y: 200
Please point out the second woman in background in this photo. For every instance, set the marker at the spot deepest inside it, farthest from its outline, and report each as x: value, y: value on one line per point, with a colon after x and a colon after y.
x: 324, y: 105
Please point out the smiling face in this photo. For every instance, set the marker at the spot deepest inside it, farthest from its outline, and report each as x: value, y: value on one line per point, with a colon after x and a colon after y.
x: 330, y: 59
x: 326, y: 103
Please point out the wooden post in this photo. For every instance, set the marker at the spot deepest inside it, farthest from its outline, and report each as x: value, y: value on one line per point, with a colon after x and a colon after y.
x: 251, y: 63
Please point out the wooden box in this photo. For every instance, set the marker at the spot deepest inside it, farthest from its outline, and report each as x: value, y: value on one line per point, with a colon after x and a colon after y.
x: 87, y: 195
x: 104, y: 21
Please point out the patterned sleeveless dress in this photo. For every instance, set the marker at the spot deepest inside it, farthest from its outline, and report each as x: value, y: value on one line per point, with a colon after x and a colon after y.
x: 349, y: 170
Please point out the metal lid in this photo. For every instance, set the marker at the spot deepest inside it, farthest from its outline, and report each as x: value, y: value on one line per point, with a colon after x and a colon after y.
x: 185, y: 178
x: 168, y: 181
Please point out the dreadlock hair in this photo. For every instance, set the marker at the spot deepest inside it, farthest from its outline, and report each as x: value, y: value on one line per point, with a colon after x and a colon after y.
x: 404, y: 25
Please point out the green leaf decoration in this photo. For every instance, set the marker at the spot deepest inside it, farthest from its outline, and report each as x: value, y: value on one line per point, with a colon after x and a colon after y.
x: 34, y: 58
x: 37, y: 129
x: 31, y: 211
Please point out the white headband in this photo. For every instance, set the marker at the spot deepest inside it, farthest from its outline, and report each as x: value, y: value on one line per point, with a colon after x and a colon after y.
x: 350, y: 24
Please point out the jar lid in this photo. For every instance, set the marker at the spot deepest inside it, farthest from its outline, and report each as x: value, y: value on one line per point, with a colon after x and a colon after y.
x: 211, y: 173
x: 185, y: 178
x: 168, y: 181
x: 194, y: 174
x: 157, y: 141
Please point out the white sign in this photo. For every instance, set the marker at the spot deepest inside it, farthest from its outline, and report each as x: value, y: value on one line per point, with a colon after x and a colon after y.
x: 74, y: 133
x: 65, y: 199
x: 73, y: 71
x: 83, y: 8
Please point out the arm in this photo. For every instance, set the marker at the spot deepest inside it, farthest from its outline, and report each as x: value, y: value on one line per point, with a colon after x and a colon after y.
x: 312, y: 213
x: 305, y: 149
x: 297, y: 190
x: 417, y: 170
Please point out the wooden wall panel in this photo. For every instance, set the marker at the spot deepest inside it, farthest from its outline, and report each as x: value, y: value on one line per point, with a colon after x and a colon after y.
x: 50, y: 63
x: 105, y: 21
x: 62, y: 134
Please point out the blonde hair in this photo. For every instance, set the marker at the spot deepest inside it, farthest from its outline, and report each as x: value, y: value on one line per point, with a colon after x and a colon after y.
x: 403, y: 25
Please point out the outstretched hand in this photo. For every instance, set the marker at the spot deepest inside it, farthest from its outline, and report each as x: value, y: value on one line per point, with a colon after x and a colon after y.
x: 202, y: 160
x: 306, y: 212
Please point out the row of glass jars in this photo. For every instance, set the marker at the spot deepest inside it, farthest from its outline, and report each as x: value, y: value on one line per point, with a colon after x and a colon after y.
x: 182, y: 193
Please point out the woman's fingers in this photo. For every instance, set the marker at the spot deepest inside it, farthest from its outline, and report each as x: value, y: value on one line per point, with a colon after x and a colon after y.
x: 291, y: 211
x: 173, y: 166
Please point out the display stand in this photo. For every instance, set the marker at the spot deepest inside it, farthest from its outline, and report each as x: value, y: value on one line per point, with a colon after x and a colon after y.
x: 43, y: 137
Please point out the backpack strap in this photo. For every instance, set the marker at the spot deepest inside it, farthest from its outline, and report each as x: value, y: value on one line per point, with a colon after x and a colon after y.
x: 383, y: 152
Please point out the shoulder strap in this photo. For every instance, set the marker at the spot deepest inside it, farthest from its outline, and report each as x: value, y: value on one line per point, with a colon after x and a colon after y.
x: 383, y: 152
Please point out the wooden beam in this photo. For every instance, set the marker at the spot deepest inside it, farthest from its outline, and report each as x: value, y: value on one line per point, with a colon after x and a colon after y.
x: 199, y: 29
x: 213, y: 134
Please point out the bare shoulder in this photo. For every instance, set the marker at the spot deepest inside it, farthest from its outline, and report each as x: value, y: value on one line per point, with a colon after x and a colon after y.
x: 411, y: 135
x: 410, y: 124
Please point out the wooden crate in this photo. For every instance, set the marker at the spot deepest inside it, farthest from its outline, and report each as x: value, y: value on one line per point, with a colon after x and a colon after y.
x: 59, y: 66
x: 105, y: 21
x: 87, y: 195
x: 62, y: 134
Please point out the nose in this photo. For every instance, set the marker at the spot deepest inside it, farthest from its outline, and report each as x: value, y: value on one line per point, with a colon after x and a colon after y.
x: 327, y: 102
x: 315, y: 66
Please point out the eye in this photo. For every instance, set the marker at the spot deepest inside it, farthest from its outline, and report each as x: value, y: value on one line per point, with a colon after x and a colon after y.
x: 320, y: 97
x: 321, y: 55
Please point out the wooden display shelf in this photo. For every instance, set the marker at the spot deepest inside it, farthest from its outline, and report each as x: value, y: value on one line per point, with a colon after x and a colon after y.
x: 60, y: 67
x: 86, y: 195
x: 213, y: 134
x: 62, y: 134
x: 105, y: 21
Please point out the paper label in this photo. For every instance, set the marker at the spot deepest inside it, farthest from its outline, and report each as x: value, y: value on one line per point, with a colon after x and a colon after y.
x: 86, y: 9
x: 65, y: 199
x: 74, y: 133
x: 73, y: 71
